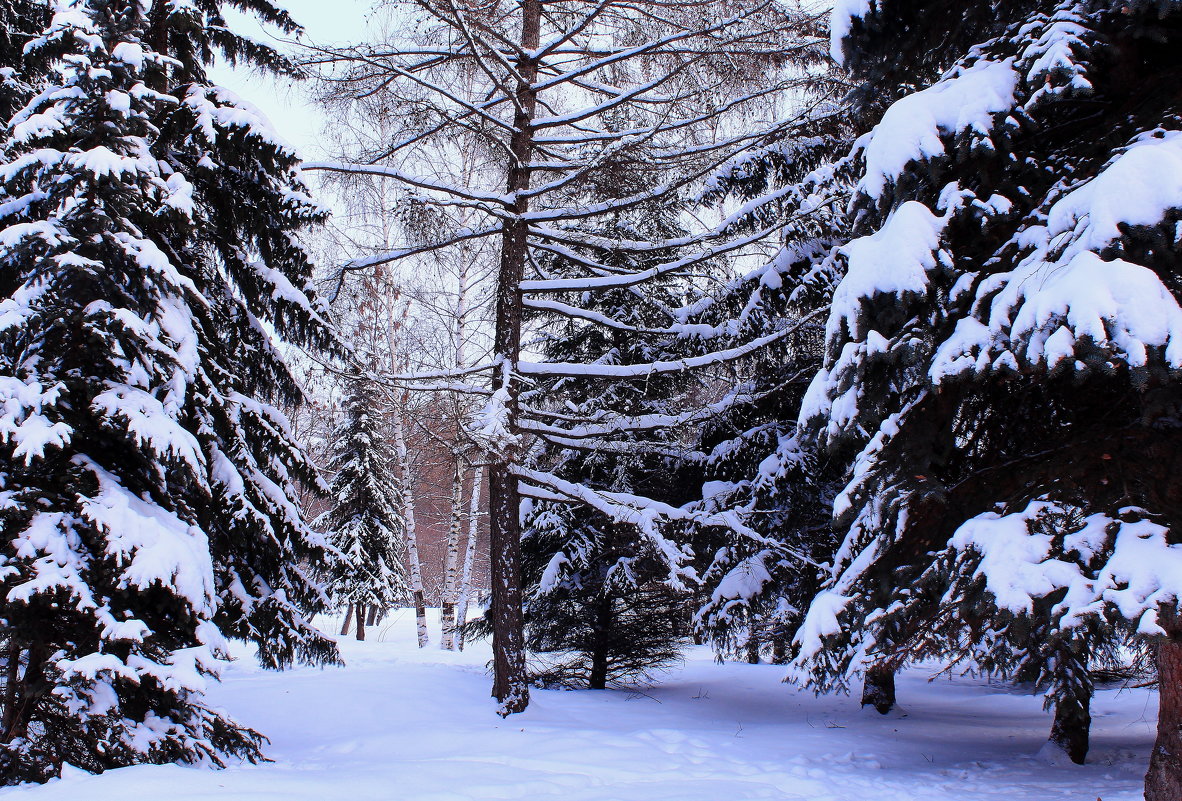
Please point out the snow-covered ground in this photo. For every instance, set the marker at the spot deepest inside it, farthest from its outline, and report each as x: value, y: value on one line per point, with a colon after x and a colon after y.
x: 408, y: 725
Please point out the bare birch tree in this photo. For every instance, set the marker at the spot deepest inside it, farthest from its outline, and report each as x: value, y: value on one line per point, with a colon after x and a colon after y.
x: 464, y: 594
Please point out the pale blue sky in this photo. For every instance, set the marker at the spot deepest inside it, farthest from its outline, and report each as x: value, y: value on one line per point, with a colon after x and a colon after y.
x: 325, y: 21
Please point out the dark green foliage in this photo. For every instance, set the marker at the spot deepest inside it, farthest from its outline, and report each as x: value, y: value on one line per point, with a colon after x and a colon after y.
x: 610, y: 620
x: 20, y: 22
x: 759, y: 578
x: 964, y: 421
x: 602, y: 605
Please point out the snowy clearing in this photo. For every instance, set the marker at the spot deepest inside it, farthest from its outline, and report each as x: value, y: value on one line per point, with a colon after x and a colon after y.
x: 399, y: 723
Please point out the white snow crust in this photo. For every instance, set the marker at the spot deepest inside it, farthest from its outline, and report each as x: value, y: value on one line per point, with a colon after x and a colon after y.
x: 399, y: 723
x: 914, y: 127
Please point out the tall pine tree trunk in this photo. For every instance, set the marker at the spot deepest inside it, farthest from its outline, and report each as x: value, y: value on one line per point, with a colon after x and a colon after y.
x: 469, y: 554
x: 878, y: 688
x: 451, y: 565
x: 1163, y: 782
x: 510, y: 686
x: 26, y: 693
x: 348, y: 620
x: 412, y: 538
x: 361, y: 621
x: 373, y: 615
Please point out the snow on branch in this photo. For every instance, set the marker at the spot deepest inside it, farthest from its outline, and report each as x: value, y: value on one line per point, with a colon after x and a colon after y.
x: 576, y: 370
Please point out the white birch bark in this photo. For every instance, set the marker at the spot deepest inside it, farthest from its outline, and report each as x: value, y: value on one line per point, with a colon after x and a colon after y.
x: 465, y: 593
x: 412, y: 541
x: 451, y: 563
x: 451, y: 584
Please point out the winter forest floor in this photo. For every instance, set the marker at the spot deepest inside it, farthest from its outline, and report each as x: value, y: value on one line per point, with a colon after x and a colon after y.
x: 407, y: 725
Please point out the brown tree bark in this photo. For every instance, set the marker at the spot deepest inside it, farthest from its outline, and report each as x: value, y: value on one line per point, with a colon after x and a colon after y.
x: 509, y: 678
x: 1163, y: 782
x: 361, y: 622
x: 348, y: 620
x: 878, y: 688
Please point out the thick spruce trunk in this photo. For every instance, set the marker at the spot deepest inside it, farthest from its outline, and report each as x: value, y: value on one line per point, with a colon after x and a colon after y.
x: 1163, y: 782
x: 26, y: 694
x: 878, y: 688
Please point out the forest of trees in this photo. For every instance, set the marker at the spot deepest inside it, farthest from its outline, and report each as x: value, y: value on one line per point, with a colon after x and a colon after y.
x: 842, y: 338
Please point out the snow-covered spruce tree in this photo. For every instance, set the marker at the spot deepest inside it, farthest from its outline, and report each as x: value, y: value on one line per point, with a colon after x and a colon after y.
x: 1003, y: 353
x: 146, y: 238
x: 365, y: 522
x: 598, y: 611
x: 599, y: 608
x: 755, y: 465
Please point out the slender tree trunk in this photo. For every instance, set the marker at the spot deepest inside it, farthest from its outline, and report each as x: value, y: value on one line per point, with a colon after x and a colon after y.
x: 1163, y: 782
x: 469, y: 554
x: 451, y: 565
x: 510, y: 686
x: 878, y: 689
x: 412, y: 538
x: 373, y: 616
x: 452, y: 588
x: 361, y: 621
x: 348, y: 620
